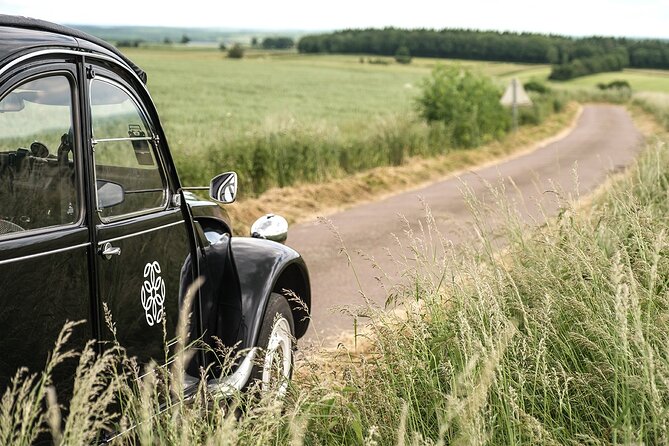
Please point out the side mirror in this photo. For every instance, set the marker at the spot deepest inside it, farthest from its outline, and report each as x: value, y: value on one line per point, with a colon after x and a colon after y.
x: 270, y: 227
x: 223, y: 188
x: 109, y: 194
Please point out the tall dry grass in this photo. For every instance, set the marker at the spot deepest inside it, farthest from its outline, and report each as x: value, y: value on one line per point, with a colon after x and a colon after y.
x: 655, y: 103
x: 284, y: 151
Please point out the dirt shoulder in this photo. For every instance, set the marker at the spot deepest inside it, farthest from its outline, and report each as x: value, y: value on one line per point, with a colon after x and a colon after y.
x: 304, y: 202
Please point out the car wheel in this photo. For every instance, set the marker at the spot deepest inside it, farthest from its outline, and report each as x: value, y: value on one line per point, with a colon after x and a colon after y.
x: 276, y: 339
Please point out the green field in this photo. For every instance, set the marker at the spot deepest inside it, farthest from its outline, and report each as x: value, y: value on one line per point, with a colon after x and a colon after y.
x: 218, y: 112
x: 238, y: 94
x: 241, y: 94
x: 640, y: 80
x: 341, y: 115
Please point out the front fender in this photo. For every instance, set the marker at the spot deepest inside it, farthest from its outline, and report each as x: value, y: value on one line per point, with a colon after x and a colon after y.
x: 264, y: 267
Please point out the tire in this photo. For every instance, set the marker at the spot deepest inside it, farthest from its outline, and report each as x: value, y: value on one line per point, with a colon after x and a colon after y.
x: 274, y: 365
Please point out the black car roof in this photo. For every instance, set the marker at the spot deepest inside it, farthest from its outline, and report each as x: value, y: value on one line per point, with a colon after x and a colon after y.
x: 21, y: 33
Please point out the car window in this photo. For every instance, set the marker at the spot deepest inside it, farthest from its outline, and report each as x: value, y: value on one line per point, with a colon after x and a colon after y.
x: 37, y: 169
x: 128, y: 175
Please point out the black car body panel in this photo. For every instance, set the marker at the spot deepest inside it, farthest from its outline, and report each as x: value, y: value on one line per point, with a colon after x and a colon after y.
x: 65, y: 256
x: 284, y: 269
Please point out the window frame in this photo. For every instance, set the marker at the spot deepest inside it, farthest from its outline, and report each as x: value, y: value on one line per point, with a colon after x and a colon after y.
x: 109, y: 78
x: 24, y: 74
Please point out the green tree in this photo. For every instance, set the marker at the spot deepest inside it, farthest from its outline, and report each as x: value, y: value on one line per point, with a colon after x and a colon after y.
x: 490, y: 45
x: 277, y: 43
x: 254, y: 41
x: 185, y: 39
x: 467, y: 104
x: 402, y: 55
x: 236, y: 52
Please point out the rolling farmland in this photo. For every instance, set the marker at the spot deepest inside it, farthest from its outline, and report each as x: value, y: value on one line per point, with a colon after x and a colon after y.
x: 314, y: 101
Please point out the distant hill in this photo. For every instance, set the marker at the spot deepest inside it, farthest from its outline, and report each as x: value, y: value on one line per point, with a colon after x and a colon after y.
x: 158, y: 34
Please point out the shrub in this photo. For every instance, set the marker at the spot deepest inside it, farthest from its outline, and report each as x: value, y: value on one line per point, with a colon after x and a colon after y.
x: 615, y: 61
x: 377, y: 61
x: 402, y: 55
x: 468, y: 103
x: 536, y: 86
x: 236, y: 52
x: 128, y: 43
x: 615, y: 85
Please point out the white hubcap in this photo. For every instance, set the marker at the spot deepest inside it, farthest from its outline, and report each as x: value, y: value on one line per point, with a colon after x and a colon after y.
x: 278, y: 358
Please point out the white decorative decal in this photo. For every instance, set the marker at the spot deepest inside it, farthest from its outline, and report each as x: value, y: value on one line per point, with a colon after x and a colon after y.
x: 153, y: 294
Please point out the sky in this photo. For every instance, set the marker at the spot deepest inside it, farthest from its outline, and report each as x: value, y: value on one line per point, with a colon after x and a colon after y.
x: 631, y: 18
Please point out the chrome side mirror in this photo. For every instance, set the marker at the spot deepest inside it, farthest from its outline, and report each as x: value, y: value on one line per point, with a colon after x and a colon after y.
x: 270, y: 227
x: 223, y: 188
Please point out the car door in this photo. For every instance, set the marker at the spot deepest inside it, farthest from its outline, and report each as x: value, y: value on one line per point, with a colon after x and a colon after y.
x: 142, y: 238
x: 45, y: 245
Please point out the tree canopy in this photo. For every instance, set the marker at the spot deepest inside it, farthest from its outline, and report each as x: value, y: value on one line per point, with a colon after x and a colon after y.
x: 570, y: 56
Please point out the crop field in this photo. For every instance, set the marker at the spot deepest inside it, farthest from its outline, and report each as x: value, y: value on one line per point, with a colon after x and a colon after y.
x: 242, y: 93
x: 639, y: 80
x: 284, y: 118
x: 218, y: 111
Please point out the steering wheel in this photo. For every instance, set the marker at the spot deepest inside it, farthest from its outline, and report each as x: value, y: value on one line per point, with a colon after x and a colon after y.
x: 7, y: 226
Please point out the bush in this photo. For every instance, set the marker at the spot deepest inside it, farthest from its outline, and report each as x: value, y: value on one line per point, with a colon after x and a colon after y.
x: 467, y: 103
x: 377, y: 61
x: 236, y: 52
x: 615, y: 61
x: 128, y: 43
x: 402, y: 55
x: 615, y: 85
x: 536, y: 86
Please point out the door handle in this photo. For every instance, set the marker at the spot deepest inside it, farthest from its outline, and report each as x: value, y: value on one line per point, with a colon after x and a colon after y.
x: 107, y: 251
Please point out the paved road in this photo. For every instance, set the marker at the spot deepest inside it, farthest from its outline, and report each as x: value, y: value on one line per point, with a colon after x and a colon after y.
x: 603, y: 140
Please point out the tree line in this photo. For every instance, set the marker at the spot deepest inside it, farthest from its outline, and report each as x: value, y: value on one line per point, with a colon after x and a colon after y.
x: 570, y: 57
x: 278, y: 43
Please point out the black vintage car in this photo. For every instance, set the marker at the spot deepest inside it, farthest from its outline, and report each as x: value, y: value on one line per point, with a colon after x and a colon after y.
x: 93, y: 216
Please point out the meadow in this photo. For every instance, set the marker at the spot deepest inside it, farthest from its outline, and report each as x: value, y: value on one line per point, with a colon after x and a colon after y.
x: 281, y: 119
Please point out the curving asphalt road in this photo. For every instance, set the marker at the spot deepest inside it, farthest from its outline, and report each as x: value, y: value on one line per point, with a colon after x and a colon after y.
x: 603, y: 140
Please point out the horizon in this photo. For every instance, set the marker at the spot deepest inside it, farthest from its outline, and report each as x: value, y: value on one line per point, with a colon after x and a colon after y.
x: 575, y: 18
x: 332, y: 30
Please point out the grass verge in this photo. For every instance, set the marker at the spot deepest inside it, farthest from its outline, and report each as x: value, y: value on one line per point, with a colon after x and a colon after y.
x: 306, y: 201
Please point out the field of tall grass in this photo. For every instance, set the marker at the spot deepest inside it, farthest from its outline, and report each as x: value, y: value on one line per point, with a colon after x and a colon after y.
x: 655, y: 103
x: 286, y: 119
x: 560, y: 338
